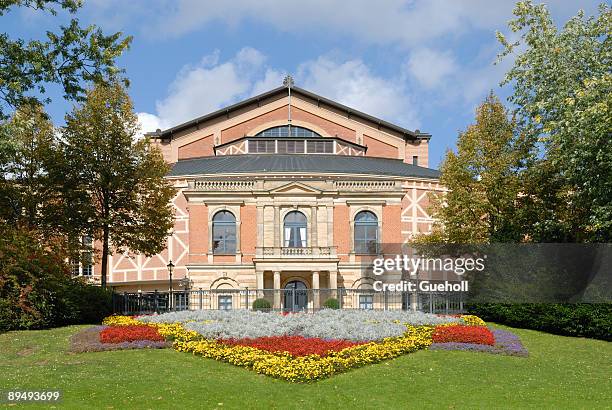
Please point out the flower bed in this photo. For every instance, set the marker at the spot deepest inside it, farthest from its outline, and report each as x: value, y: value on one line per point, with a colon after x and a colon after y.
x: 506, y: 343
x: 463, y: 334
x: 130, y: 333
x: 305, y: 368
x: 308, y: 347
x: 88, y: 340
x: 353, y: 325
x: 294, y: 345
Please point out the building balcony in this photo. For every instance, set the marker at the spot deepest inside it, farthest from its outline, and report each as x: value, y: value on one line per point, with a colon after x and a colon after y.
x: 308, y: 252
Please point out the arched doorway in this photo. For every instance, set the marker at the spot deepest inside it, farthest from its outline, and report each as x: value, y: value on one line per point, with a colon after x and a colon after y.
x: 295, y: 296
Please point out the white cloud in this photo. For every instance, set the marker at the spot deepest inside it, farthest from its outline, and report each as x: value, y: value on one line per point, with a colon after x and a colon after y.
x: 405, y: 22
x: 400, y: 21
x: 149, y: 122
x: 353, y: 84
x: 211, y: 84
x: 430, y: 67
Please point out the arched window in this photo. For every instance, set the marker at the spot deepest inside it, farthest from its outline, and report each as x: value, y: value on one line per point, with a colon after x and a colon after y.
x: 283, y: 131
x: 366, y: 233
x: 295, y: 230
x: 224, y: 233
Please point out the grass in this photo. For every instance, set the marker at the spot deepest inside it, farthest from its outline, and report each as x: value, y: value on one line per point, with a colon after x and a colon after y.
x: 561, y: 372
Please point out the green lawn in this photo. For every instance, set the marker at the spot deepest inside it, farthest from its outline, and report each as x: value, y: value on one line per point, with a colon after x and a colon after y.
x: 562, y: 372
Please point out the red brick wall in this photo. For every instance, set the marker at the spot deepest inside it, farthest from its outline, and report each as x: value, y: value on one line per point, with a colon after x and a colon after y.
x: 391, y: 232
x: 248, y: 231
x: 224, y: 258
x: 242, y: 129
x: 378, y: 148
x: 331, y: 128
x: 341, y: 231
x: 391, y: 229
x: 200, y: 148
x: 198, y: 229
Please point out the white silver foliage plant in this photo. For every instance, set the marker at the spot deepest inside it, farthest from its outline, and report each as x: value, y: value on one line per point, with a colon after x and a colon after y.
x: 356, y: 325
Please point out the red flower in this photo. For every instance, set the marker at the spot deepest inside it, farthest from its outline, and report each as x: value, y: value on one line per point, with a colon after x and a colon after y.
x: 118, y: 334
x: 463, y: 334
x: 294, y: 345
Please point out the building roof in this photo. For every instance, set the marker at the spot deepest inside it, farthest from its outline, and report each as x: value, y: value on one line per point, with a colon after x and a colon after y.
x: 284, y: 90
x: 307, y: 164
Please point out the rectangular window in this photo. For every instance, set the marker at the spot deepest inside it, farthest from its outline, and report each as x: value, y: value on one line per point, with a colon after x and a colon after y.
x: 415, y: 160
x: 87, y: 264
x: 320, y: 147
x: 225, y: 302
x: 366, y: 302
x: 261, y: 146
x: 365, y: 239
x: 224, y: 239
x: 290, y: 147
x: 75, y: 267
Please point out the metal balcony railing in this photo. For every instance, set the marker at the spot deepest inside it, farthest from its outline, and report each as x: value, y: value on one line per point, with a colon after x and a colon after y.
x: 290, y: 252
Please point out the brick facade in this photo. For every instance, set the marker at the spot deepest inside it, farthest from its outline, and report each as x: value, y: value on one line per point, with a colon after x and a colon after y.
x: 261, y: 201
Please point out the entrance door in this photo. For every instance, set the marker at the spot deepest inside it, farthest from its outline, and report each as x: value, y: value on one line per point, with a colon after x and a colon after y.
x: 296, y: 296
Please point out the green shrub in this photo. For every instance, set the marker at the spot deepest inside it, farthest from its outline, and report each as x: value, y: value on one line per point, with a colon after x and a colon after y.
x: 578, y: 319
x: 332, y: 303
x: 261, y: 305
x: 37, y: 290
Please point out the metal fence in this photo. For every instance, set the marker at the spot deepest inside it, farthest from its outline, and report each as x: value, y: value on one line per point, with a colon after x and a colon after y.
x: 286, y: 300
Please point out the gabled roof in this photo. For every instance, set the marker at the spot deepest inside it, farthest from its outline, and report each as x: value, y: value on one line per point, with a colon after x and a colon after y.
x: 282, y: 91
x: 302, y: 163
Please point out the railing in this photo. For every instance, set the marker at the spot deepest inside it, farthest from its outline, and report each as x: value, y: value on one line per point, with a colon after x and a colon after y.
x: 223, y: 185
x: 286, y: 300
x: 289, y: 252
x: 365, y: 185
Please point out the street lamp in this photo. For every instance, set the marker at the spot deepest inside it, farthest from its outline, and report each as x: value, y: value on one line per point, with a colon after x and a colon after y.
x: 170, y: 267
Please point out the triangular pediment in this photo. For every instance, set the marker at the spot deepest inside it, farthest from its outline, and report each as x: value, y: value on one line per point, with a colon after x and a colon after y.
x: 295, y: 188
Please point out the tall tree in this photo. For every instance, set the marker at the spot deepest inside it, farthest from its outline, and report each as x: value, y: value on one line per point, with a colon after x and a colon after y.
x: 70, y: 57
x: 563, y: 96
x: 29, y: 195
x: 116, y: 188
x: 482, y: 179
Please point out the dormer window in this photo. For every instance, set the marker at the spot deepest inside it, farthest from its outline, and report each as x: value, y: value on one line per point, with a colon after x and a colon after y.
x: 283, y: 131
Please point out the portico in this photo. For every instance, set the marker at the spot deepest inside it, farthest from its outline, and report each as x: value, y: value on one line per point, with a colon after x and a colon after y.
x: 281, y: 277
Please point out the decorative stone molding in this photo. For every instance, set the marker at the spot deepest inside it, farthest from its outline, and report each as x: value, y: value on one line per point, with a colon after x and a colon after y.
x: 223, y: 185
x: 366, y: 185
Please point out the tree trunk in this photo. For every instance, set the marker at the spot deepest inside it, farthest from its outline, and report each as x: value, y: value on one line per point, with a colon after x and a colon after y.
x: 104, y: 271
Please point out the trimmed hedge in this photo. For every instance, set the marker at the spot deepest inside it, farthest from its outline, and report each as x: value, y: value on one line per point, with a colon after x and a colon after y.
x: 332, y: 303
x: 262, y: 305
x: 579, y: 319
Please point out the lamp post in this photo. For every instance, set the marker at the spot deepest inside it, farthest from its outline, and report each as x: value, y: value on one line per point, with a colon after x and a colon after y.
x: 170, y: 267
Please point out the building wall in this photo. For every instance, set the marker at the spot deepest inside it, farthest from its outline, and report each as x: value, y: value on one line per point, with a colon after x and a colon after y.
x: 199, y: 148
x: 402, y: 213
x: 197, y: 141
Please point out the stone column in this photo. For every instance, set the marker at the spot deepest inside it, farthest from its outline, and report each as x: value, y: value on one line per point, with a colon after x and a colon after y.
x: 277, y: 227
x: 277, y: 291
x: 314, y: 230
x: 316, y: 302
x: 333, y: 283
x: 259, y: 283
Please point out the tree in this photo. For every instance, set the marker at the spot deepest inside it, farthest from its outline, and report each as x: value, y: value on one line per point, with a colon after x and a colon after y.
x: 563, y: 96
x: 483, y: 182
x: 116, y: 190
x: 71, y: 57
x: 29, y: 195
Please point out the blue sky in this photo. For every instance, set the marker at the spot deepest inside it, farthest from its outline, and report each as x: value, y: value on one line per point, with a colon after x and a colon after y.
x: 420, y: 64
